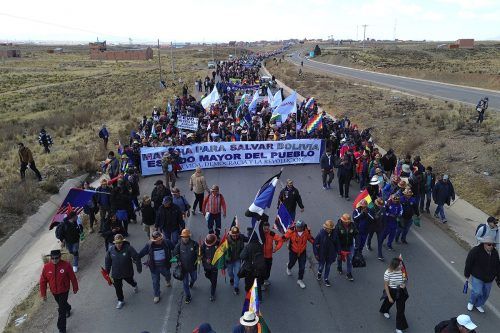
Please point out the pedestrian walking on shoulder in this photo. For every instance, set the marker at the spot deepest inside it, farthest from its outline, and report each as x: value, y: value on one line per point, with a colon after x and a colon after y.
x: 104, y: 135
x: 207, y: 254
x: 26, y: 159
x: 327, y: 174
x: 346, y: 233
x: 68, y: 232
x: 443, y: 193
x: 198, y: 185
x: 113, y: 165
x: 103, y: 200
x: 186, y: 252
x: 59, y: 275
x: 482, y: 266
x: 214, y: 205
x: 290, y: 197
x: 481, y: 107
x: 429, y: 180
x: 459, y: 324
x: 91, y: 207
x: 118, y: 262
x: 395, y: 292
x: 298, y: 235
x: 159, y: 252
x: 326, y: 248
x: 45, y: 140
x: 489, y: 229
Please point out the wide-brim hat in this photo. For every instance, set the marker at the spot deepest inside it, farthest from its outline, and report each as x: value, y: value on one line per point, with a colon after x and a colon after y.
x: 346, y: 218
x: 405, y: 168
x: 374, y: 180
x: 328, y: 225
x: 210, y: 239
x: 249, y: 319
x: 185, y: 233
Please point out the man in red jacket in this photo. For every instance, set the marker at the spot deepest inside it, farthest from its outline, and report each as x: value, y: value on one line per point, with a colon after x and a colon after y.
x: 58, y: 274
x: 298, y: 236
x: 272, y: 243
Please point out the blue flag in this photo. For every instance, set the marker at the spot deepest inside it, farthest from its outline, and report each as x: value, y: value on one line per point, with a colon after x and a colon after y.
x: 283, y: 219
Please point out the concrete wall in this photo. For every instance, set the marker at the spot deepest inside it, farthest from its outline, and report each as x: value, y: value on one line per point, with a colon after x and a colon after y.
x: 10, y: 54
x: 144, y: 54
x: 465, y: 43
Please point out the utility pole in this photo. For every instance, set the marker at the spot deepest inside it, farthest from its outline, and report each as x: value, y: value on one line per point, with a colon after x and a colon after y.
x: 159, y: 63
x: 395, y: 26
x: 213, y: 57
x: 364, y: 34
x: 357, y: 28
x: 172, y: 59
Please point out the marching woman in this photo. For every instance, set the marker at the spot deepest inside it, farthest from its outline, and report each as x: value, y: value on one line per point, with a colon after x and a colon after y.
x: 395, y: 292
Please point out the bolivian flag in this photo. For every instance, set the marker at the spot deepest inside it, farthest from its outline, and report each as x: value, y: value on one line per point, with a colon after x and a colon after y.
x: 218, y: 259
x: 363, y: 196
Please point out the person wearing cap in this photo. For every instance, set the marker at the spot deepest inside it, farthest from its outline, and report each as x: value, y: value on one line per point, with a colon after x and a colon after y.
x: 159, y: 192
x: 459, y: 324
x: 429, y: 180
x: 362, y: 217
x: 198, y: 185
x: 290, y: 197
x: 113, y: 166
x: 344, y: 174
x: 118, y: 262
x: 111, y: 228
x: 410, y: 208
x: 482, y: 266
x: 326, y: 248
x: 57, y: 273
x: 443, y: 193
x: 298, y: 236
x: 68, y: 232
x: 249, y: 323
x: 395, y: 292
x: 181, y: 202
x: 159, y: 252
x: 327, y: 163
x: 489, y: 229
x: 104, y: 135
x: 272, y: 243
x: 393, y: 212
x: 214, y: 205
x: 346, y: 232
x: 207, y: 254
x: 236, y: 242
x: 124, y: 164
x: 148, y: 216
x: 186, y: 252
x: 169, y: 220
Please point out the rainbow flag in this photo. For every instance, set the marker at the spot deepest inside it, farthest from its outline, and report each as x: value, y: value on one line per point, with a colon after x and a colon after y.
x: 403, y: 267
x: 218, y: 259
x: 314, y: 123
x: 363, y: 196
x: 251, y: 302
x: 309, y: 104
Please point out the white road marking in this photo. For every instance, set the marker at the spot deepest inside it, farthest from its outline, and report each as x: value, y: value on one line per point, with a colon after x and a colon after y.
x: 166, y: 319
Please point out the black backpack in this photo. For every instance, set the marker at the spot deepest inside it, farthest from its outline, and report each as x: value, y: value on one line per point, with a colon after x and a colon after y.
x: 358, y: 260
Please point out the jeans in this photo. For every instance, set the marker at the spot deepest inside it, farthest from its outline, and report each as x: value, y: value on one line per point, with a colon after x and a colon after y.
x: 428, y: 198
x: 325, y: 264
x: 198, y: 199
x: 233, y: 268
x: 62, y: 310
x: 293, y: 258
x: 440, y: 211
x: 189, y: 279
x: 172, y: 235
x: 214, y: 218
x: 403, y: 231
x: 118, y: 283
x: 155, y: 277
x: 348, y: 261
x: 344, y: 186
x: 480, y: 291
x: 327, y: 173
x: 400, y: 300
x: 73, y: 249
x: 390, y: 230
x: 361, y: 241
x: 380, y: 240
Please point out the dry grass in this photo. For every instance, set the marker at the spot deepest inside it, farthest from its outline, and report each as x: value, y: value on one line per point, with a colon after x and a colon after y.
x: 443, y: 134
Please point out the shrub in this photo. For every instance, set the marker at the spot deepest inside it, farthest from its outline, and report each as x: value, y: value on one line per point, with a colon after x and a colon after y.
x: 16, y: 198
x: 50, y: 186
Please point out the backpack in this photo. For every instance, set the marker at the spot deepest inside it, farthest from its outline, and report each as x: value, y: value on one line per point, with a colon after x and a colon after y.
x: 358, y: 260
x: 484, y: 229
x: 258, y: 262
x: 60, y: 230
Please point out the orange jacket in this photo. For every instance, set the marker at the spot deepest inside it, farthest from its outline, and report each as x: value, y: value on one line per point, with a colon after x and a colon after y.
x: 298, y: 243
x: 58, y: 277
x: 271, y: 238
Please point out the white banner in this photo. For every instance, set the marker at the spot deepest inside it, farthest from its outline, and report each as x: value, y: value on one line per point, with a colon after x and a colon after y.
x: 189, y: 123
x: 235, y: 154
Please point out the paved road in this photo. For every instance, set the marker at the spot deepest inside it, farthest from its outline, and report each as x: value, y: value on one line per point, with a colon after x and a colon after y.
x: 434, y: 89
x: 434, y: 261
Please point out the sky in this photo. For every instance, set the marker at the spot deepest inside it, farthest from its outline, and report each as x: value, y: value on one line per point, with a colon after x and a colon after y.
x: 225, y: 20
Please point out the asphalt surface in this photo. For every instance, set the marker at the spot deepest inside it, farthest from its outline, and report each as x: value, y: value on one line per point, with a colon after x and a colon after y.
x: 426, y: 88
x: 434, y: 262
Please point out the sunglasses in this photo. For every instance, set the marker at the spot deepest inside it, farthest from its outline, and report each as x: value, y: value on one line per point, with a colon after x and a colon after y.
x: 489, y: 244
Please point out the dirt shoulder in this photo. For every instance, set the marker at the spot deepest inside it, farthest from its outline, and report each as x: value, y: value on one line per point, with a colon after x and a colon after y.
x: 442, y: 133
x: 478, y: 67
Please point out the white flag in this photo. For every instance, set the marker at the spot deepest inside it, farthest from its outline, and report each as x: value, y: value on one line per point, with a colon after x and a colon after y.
x: 269, y: 96
x: 289, y: 105
x: 276, y: 99
x: 211, y: 98
x: 253, y: 104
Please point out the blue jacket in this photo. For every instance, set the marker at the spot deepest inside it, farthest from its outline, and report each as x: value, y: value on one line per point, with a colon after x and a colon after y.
x: 326, y: 246
x: 393, y: 211
x: 410, y: 207
x: 443, y: 192
x: 103, y: 133
x: 362, y: 219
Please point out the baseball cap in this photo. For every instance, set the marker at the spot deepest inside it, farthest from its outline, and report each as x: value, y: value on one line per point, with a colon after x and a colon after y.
x: 465, y: 321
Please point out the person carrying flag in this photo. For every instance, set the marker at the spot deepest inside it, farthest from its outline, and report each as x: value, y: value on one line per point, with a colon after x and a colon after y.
x: 214, y: 204
x: 346, y: 233
x: 326, y: 247
x: 272, y: 243
x: 208, y: 249
x: 395, y: 292
x: 298, y: 236
x: 290, y: 197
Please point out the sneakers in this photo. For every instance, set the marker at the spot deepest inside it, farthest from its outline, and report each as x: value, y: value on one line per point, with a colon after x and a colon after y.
x: 288, y: 271
x: 347, y: 198
x: 327, y: 283
x: 436, y: 215
x: 444, y: 221
x: 267, y: 283
x: 136, y: 289
x: 381, y: 258
x: 339, y: 270
x: 301, y: 284
x: 390, y: 248
x: 168, y: 284
x: 212, y: 298
x: 156, y: 299
x: 341, y: 195
x: 318, y: 277
x: 194, y: 212
x: 187, y: 300
x: 387, y: 315
x: 75, y: 269
x: 349, y: 277
x: 324, y: 187
x: 398, y: 331
x: 480, y: 309
x: 120, y: 304
x: 236, y: 291
x: 470, y: 306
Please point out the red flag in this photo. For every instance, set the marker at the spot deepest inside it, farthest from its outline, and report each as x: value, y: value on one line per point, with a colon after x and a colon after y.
x: 106, y: 276
x: 403, y: 267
